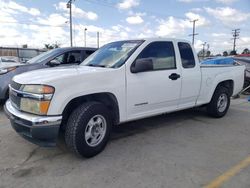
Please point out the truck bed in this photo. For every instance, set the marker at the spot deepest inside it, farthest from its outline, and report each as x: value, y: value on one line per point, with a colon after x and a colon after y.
x: 212, y: 74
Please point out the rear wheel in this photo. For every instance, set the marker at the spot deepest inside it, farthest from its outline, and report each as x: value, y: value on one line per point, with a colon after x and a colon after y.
x: 220, y: 102
x: 88, y: 129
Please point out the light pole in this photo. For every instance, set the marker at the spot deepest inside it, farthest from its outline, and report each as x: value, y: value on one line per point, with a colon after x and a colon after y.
x: 85, y: 37
x: 193, y: 34
x: 98, y: 36
x: 70, y: 20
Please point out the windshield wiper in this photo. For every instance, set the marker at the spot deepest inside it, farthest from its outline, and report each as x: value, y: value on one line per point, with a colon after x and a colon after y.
x: 95, y: 65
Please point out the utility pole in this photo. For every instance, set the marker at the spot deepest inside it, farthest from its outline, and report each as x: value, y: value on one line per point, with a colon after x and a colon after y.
x: 85, y: 37
x: 98, y: 36
x: 70, y: 20
x: 236, y: 33
x: 204, y: 44
x: 193, y: 34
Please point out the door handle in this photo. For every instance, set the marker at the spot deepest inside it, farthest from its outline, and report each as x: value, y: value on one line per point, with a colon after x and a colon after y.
x: 174, y: 76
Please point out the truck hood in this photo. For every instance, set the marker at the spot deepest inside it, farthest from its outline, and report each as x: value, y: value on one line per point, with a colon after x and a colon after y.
x: 49, y: 75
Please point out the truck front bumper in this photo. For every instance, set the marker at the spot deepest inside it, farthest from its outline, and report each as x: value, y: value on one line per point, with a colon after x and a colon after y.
x: 40, y: 130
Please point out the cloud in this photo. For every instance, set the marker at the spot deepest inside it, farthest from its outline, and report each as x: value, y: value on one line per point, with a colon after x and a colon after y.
x: 19, y: 8
x: 119, y: 28
x: 218, y: 1
x: 226, y: 1
x: 136, y: 19
x: 6, y: 17
x: 117, y: 32
x: 127, y: 4
x: 196, y: 9
x: 34, y: 12
x: 220, y: 35
x: 228, y: 15
x: 171, y: 26
x: 192, y: 1
x: 177, y: 27
x: 186, y: 1
x: 202, y: 21
x: 53, y: 20
x: 198, y: 45
x: 76, y: 12
x: 244, y: 41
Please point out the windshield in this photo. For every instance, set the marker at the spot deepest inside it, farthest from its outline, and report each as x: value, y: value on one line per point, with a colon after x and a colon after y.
x: 42, y: 56
x: 113, y: 55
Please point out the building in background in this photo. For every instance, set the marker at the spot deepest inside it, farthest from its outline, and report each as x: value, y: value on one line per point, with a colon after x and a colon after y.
x: 23, y: 54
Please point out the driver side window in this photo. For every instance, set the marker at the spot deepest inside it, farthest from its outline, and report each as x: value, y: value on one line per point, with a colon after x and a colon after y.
x: 161, y: 53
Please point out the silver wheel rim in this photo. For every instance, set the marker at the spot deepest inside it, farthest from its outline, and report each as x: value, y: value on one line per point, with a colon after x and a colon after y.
x: 222, y: 102
x: 95, y: 130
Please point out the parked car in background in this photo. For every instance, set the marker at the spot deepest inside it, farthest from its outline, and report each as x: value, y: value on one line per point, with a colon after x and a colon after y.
x: 244, y: 60
x: 56, y: 57
x: 7, y: 61
x: 122, y: 81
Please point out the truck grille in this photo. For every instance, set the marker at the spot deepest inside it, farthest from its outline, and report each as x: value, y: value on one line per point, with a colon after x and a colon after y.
x: 14, y: 98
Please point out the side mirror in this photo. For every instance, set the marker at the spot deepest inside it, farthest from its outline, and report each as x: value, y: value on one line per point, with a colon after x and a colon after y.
x: 142, y: 65
x: 54, y: 62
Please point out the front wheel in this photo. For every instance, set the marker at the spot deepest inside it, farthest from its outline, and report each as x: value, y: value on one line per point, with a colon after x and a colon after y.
x: 219, y: 103
x: 88, y: 129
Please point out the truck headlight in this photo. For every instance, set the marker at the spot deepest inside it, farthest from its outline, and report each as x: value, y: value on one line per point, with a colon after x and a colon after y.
x: 38, y: 89
x: 36, y: 98
x: 34, y: 106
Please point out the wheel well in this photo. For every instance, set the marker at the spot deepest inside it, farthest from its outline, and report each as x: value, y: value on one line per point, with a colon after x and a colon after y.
x: 108, y: 99
x: 7, y: 94
x: 229, y: 84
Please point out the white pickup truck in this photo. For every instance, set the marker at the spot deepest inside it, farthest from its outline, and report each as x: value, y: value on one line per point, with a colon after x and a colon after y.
x: 122, y: 81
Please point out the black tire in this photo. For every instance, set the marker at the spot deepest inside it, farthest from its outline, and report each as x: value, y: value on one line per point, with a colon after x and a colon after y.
x: 76, y: 127
x: 212, y: 108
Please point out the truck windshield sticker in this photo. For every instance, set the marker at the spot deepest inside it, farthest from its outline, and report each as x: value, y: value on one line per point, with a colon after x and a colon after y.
x: 129, y: 45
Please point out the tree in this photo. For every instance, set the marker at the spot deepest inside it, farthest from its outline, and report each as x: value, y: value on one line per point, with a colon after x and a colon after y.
x: 208, y: 53
x: 201, y: 53
x: 51, y: 46
x: 246, y: 51
x: 233, y: 52
x: 225, y: 53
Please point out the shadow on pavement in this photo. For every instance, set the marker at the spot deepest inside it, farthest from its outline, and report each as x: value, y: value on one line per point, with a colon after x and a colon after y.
x: 147, y: 124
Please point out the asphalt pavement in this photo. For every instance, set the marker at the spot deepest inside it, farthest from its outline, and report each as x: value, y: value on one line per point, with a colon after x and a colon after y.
x: 185, y: 149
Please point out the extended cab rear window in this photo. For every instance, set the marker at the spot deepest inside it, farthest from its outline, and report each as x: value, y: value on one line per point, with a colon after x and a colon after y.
x: 187, y: 56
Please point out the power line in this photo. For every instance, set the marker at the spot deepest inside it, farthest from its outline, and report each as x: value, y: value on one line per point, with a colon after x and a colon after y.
x: 236, y: 34
x: 193, y: 34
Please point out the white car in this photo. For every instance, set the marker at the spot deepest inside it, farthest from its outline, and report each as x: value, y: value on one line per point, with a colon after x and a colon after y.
x: 8, y: 61
x: 122, y: 81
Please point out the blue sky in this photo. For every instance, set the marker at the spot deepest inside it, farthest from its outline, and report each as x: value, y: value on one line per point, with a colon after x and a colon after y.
x: 36, y: 22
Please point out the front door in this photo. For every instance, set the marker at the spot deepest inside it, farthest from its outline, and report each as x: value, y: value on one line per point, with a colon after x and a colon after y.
x: 153, y: 92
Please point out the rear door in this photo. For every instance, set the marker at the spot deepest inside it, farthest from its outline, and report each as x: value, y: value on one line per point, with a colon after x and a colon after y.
x: 156, y: 91
x: 191, y: 75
